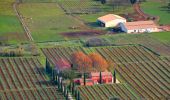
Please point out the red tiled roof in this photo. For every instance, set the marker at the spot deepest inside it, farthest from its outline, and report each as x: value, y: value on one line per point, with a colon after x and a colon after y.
x: 110, y: 17
x: 140, y: 25
x: 103, y: 74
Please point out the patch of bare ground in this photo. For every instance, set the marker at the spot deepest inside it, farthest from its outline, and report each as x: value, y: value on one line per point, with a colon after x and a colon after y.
x: 82, y: 34
x: 13, y: 36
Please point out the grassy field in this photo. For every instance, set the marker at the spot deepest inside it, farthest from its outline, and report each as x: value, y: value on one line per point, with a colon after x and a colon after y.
x: 89, y: 10
x: 47, y: 21
x: 157, y: 9
x: 162, y: 36
x: 11, y: 30
x: 155, y: 41
x: 37, y: 1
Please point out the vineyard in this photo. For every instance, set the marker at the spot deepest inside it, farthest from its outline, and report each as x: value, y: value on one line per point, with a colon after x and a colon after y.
x: 82, y: 6
x: 150, y: 79
x: 147, y: 40
x: 141, y: 69
x: 120, y: 54
x: 23, y: 78
x: 106, y: 91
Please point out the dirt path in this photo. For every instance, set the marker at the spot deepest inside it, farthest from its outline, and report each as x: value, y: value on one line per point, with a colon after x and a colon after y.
x: 26, y: 29
x: 140, y: 12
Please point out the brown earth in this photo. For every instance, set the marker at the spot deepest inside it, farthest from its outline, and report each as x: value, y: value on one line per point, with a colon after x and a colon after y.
x: 14, y: 36
x: 82, y: 33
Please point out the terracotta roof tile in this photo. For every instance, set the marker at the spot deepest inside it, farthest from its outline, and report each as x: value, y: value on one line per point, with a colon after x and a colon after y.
x: 103, y: 74
x: 110, y: 17
x: 140, y: 25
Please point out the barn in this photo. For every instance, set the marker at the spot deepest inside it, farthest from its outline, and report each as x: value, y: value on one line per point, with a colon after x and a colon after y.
x: 110, y: 20
x: 139, y: 27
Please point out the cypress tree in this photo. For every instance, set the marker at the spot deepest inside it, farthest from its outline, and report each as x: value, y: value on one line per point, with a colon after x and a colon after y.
x: 66, y: 94
x: 73, y: 89
x: 103, y: 1
x: 100, y: 78
x: 78, y: 96
x: 61, y: 85
x: 84, y: 78
x: 47, y: 66
x: 114, y: 75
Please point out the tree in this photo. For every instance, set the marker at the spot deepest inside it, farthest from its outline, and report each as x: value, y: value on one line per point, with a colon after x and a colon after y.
x: 97, y: 42
x: 133, y: 1
x: 68, y: 74
x: 20, y: 51
x: 98, y: 62
x: 103, y: 1
x: 81, y: 61
x: 34, y: 49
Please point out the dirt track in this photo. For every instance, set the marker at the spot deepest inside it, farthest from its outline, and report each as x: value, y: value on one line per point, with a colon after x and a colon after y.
x: 26, y: 29
x: 138, y: 10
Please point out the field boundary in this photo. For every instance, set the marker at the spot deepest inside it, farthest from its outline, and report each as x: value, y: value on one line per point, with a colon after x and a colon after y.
x: 26, y: 29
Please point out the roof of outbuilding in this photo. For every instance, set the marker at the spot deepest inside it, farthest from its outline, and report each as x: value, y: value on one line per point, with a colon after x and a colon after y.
x: 140, y: 25
x: 110, y: 17
x: 103, y: 74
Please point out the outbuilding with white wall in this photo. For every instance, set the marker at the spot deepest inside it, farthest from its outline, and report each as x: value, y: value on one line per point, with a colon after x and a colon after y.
x: 110, y: 20
x: 139, y: 27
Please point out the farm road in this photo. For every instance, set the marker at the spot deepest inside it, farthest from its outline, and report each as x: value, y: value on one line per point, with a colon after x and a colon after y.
x: 26, y: 29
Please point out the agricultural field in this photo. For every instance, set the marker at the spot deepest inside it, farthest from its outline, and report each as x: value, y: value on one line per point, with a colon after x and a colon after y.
x: 11, y: 30
x: 150, y: 79
x: 158, y: 42
x: 162, y: 36
x: 48, y: 22
x: 120, y: 54
x: 157, y: 8
x: 25, y: 78
x: 106, y: 91
x: 37, y: 1
x: 137, y: 66
x: 89, y: 10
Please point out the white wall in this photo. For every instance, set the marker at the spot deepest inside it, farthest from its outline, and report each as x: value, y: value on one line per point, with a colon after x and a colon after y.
x: 114, y: 23
x: 123, y: 28
x: 148, y: 30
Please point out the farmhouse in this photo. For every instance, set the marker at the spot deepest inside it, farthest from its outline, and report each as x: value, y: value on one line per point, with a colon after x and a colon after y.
x: 139, y: 27
x: 94, y: 78
x: 110, y: 20
x: 106, y: 77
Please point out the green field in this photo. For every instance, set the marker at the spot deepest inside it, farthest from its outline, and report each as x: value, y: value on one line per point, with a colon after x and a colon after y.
x: 162, y: 36
x: 11, y: 30
x: 47, y: 21
x: 89, y: 10
x: 38, y: 1
x: 155, y: 41
x: 157, y: 9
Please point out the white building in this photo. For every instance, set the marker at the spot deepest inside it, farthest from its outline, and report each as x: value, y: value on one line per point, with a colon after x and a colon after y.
x: 110, y: 20
x: 139, y: 27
